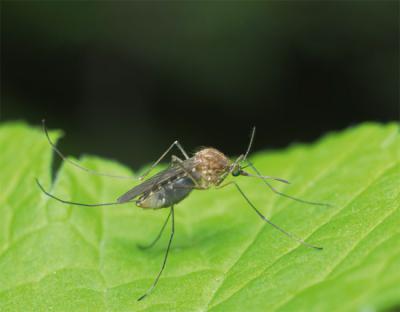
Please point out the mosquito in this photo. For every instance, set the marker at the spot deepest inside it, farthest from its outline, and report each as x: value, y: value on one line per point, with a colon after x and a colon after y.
x: 205, y: 169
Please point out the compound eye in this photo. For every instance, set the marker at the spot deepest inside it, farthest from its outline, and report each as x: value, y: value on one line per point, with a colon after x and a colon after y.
x: 236, y: 172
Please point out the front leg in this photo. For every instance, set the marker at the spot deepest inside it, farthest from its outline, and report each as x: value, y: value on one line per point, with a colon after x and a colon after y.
x: 175, y: 143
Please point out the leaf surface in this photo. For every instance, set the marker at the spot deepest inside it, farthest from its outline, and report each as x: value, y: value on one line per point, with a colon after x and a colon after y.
x: 56, y: 257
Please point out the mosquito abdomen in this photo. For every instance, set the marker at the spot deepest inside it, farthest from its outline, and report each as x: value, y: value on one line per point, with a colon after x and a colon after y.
x: 167, y: 194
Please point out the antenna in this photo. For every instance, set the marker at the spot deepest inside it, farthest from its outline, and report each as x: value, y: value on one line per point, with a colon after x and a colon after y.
x: 253, y: 133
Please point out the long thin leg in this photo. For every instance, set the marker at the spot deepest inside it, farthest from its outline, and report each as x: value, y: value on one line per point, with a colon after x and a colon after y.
x: 158, y: 236
x: 63, y: 157
x: 179, y: 162
x: 175, y: 143
x: 292, y: 236
x: 165, y: 257
x: 225, y: 184
x: 283, y: 194
x: 75, y: 203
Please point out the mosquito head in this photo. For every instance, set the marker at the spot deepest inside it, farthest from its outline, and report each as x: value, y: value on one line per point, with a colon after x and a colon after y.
x: 236, y: 172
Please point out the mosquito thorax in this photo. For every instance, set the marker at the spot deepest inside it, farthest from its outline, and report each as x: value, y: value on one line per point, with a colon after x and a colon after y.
x: 211, y: 164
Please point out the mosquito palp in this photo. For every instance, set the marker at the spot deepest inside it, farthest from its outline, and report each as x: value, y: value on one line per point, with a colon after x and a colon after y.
x: 283, y: 194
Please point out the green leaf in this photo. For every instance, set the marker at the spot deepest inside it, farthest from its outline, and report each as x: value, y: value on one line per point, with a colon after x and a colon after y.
x: 56, y: 257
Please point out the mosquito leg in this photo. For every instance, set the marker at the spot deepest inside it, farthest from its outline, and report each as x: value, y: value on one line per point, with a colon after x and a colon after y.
x: 178, y: 145
x: 176, y: 160
x: 158, y: 236
x: 75, y: 164
x: 223, y: 177
x: 67, y: 202
x: 292, y: 236
x: 283, y: 194
x: 225, y: 184
x: 165, y: 257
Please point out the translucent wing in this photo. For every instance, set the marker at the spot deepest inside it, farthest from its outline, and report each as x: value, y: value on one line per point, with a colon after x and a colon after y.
x: 159, y: 178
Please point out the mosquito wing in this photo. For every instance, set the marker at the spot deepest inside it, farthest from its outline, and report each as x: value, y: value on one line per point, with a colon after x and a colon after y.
x: 157, y: 179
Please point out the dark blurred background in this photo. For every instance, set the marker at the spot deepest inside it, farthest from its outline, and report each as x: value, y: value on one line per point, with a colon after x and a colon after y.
x: 124, y: 79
